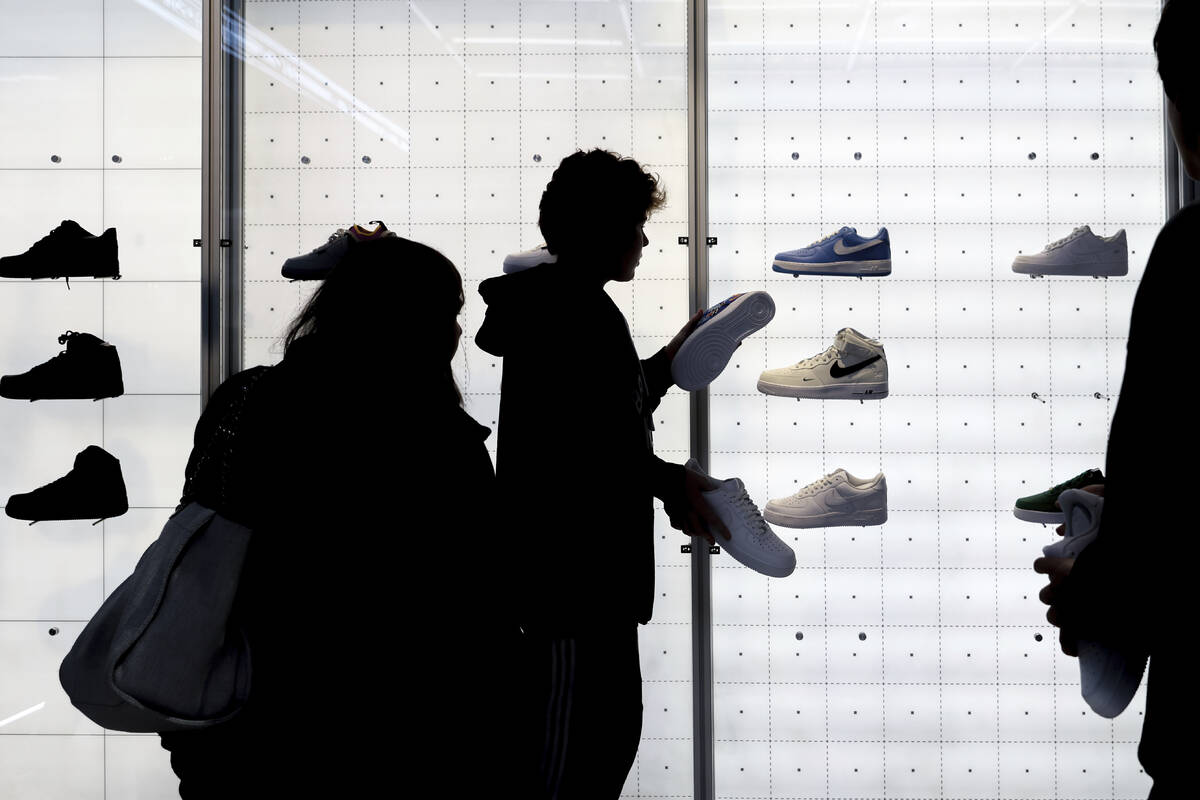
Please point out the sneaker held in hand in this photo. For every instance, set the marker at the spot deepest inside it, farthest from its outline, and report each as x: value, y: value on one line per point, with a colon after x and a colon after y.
x: 751, y: 542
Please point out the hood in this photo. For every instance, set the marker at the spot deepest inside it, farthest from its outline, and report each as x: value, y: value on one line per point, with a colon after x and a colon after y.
x: 518, y: 304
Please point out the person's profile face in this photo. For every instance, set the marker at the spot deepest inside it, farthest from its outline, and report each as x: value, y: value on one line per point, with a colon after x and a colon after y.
x: 1188, y: 152
x: 632, y: 254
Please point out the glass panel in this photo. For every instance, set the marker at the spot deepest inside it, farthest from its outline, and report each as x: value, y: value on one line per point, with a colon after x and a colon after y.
x: 445, y: 120
x: 101, y: 126
x: 912, y: 658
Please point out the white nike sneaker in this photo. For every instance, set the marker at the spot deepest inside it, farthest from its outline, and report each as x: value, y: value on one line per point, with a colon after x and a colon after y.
x: 752, y: 542
x: 837, y: 499
x: 705, y: 352
x: 515, y: 262
x: 854, y: 368
x: 1108, y: 678
x: 1081, y: 253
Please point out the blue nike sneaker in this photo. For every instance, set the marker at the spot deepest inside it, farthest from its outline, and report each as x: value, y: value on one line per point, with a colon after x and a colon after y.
x: 841, y: 253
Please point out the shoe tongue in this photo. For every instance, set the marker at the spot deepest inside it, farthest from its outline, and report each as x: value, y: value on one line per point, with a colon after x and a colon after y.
x: 89, y: 453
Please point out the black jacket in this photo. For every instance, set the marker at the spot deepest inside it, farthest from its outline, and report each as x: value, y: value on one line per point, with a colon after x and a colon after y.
x: 1132, y: 588
x: 575, y: 462
x: 366, y: 594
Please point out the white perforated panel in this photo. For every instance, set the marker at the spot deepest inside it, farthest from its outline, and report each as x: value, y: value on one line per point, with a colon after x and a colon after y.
x: 445, y: 120
x: 913, y: 659
x: 101, y: 124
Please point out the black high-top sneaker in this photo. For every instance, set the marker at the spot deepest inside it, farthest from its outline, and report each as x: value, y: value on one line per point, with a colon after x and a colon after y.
x: 94, y: 488
x: 89, y: 367
x: 68, y: 252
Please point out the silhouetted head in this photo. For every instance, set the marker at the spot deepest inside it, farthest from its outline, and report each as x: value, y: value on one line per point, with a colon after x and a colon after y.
x: 1175, y: 43
x: 391, y: 302
x: 593, y: 210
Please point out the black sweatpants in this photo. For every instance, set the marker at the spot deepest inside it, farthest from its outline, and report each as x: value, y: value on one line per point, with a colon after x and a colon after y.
x: 583, y: 711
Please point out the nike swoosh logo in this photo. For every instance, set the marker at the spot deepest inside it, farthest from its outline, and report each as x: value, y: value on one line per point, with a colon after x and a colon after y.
x: 841, y: 372
x: 842, y: 250
x: 836, y: 500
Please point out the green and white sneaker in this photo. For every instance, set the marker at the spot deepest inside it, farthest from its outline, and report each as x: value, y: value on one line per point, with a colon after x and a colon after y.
x: 1040, y: 507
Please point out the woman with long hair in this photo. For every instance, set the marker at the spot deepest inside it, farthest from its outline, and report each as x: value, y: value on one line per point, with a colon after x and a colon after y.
x: 377, y: 626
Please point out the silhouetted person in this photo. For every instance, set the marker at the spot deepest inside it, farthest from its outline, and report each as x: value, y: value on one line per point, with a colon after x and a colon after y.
x: 577, y: 473
x: 1132, y: 588
x: 371, y: 593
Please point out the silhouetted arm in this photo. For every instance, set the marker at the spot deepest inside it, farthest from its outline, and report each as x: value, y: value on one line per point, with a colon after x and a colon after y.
x: 657, y: 369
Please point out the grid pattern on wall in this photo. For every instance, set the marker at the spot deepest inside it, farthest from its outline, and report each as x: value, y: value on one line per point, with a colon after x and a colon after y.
x: 914, y: 659
x: 445, y: 120
x: 101, y: 125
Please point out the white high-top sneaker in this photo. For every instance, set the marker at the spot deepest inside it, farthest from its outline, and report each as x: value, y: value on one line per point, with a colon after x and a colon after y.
x: 837, y: 499
x: 854, y: 368
x: 1108, y: 678
x: 752, y: 542
x: 515, y: 262
x: 1081, y: 253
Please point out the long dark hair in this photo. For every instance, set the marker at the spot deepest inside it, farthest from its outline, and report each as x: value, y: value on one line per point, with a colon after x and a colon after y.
x: 389, y: 292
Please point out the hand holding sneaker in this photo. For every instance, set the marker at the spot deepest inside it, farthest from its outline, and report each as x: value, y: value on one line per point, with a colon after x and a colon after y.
x: 684, y: 333
x: 690, y: 512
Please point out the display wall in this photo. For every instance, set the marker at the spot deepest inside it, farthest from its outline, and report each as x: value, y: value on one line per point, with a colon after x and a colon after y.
x: 910, y: 659
x: 101, y: 125
x: 913, y: 659
x: 445, y: 120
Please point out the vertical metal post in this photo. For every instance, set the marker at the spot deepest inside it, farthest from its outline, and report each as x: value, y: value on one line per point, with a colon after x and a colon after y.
x: 221, y: 195
x: 702, y: 677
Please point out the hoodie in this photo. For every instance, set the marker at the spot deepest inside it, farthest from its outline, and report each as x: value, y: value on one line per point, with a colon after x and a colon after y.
x: 575, y: 464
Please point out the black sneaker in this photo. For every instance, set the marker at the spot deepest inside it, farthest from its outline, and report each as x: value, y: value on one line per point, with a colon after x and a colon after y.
x: 94, y: 488
x: 67, y: 252
x: 89, y: 367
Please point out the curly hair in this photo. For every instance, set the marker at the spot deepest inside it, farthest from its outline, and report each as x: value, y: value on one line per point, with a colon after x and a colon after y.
x: 594, y: 194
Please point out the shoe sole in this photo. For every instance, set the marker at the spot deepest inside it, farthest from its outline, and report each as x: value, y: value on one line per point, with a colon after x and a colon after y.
x: 833, y: 519
x: 1079, y: 269
x: 881, y: 267
x: 705, y: 353
x: 770, y: 569
x: 847, y: 391
x: 1045, y: 517
x: 1111, y: 679
x: 512, y: 265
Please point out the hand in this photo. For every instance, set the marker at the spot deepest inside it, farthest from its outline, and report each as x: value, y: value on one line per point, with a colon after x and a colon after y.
x: 690, y: 512
x: 684, y: 332
x: 1058, y: 569
x: 1095, y: 488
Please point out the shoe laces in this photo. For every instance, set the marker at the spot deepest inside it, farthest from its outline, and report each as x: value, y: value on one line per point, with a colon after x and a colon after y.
x: 820, y: 358
x: 42, y: 241
x: 339, y: 234
x: 749, y: 511
x: 64, y: 339
x: 1072, y: 236
x: 815, y: 486
x: 57, y: 482
x: 833, y: 235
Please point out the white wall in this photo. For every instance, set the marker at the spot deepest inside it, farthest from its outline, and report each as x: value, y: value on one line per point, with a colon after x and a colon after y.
x: 464, y: 110
x: 91, y: 82
x: 926, y: 667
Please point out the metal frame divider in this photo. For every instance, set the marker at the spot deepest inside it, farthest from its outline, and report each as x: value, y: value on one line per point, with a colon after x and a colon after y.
x: 702, y: 676
x: 220, y: 242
